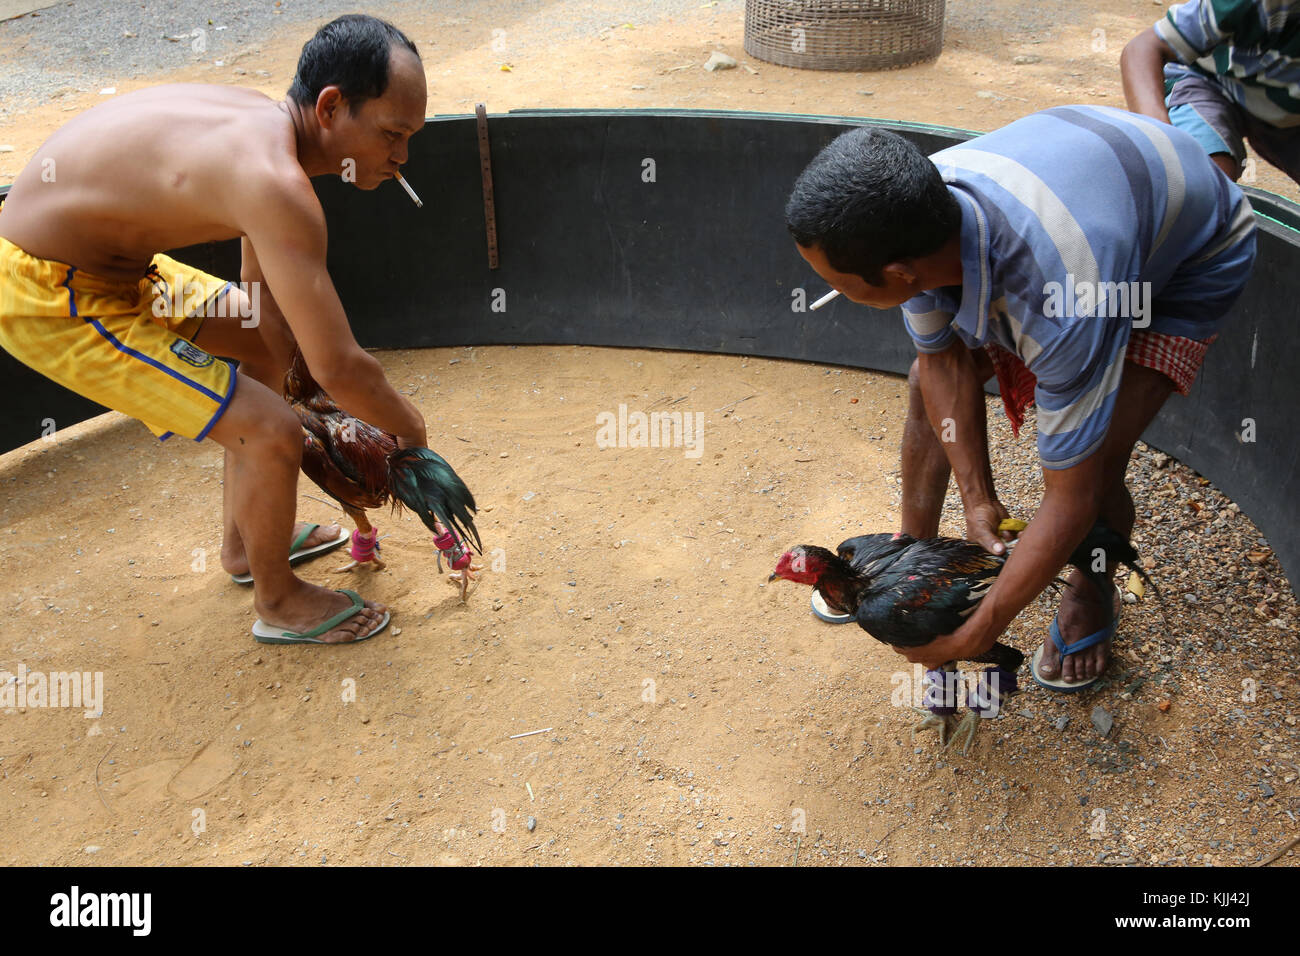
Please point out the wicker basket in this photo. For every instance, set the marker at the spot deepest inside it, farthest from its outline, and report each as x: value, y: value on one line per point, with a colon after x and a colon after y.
x: 844, y: 34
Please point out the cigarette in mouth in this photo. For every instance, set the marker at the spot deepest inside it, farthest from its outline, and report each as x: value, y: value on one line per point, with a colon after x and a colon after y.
x: 816, y: 305
x: 409, y: 191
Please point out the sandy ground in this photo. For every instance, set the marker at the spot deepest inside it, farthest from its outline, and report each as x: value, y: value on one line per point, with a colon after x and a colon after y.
x: 697, y: 714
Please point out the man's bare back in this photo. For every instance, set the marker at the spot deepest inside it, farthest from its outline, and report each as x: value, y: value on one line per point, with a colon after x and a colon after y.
x: 152, y: 170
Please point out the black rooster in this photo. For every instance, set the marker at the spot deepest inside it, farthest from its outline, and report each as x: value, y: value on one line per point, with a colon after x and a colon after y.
x: 906, y: 592
x: 361, y: 467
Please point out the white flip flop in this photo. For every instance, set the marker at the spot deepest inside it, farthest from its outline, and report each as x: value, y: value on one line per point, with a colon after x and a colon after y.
x: 823, y: 611
x: 298, y: 553
x: 267, y: 634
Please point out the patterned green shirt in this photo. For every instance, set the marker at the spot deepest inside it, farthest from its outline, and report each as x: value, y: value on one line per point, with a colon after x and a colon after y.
x: 1250, y: 48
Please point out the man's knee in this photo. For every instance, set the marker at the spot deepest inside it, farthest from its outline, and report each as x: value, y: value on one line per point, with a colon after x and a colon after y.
x: 983, y: 369
x: 277, y: 425
x: 259, y: 420
x: 1142, y: 393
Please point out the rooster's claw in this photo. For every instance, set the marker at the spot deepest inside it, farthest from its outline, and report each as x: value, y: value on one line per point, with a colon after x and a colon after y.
x: 942, y: 724
x: 463, y: 579
x: 374, y: 564
x: 966, y: 728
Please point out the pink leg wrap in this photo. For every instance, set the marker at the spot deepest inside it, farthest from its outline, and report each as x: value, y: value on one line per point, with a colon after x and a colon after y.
x: 364, y: 547
x: 457, y: 556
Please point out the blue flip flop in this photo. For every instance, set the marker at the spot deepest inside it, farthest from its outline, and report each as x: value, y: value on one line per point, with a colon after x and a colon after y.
x: 1065, y: 650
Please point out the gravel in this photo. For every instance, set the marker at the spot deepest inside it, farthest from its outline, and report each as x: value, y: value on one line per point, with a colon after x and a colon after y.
x: 1228, y: 669
x: 87, y: 45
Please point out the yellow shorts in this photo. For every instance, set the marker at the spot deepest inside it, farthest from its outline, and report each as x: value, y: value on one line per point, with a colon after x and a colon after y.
x: 127, y: 345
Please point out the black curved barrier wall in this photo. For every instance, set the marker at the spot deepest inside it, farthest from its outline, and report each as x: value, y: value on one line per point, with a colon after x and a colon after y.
x: 665, y: 229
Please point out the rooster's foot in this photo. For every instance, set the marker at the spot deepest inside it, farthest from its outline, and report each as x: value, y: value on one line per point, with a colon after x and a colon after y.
x: 966, y: 728
x: 943, y: 724
x: 465, y: 581
x: 374, y: 564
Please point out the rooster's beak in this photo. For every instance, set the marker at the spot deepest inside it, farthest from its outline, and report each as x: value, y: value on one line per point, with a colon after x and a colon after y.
x: 772, y: 577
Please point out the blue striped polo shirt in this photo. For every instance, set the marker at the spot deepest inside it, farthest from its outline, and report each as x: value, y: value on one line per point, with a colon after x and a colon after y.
x: 1080, y: 223
x: 1250, y: 48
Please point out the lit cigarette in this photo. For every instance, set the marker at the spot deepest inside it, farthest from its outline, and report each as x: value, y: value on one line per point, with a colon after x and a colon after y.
x: 816, y: 305
x: 409, y: 191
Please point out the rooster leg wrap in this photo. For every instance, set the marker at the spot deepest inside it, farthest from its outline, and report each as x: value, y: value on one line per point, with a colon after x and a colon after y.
x: 940, y: 696
x: 986, y: 694
x: 939, y: 702
x: 457, y: 556
x: 364, y: 546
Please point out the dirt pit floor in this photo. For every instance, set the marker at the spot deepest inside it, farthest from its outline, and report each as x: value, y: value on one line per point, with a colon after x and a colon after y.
x: 697, y: 714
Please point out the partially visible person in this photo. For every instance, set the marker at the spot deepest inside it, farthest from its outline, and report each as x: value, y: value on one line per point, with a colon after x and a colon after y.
x: 1227, y: 72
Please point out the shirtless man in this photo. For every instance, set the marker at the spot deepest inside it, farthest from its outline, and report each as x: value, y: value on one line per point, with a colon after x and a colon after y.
x: 82, y: 286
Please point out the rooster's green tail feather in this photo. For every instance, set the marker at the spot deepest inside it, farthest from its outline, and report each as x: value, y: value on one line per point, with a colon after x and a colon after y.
x: 423, y: 481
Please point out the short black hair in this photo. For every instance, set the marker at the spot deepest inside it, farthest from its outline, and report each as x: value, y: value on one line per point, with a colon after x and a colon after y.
x: 871, y: 198
x: 351, y: 52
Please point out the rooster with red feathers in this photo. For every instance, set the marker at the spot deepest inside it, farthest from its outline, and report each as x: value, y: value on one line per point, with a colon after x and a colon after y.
x: 361, y: 468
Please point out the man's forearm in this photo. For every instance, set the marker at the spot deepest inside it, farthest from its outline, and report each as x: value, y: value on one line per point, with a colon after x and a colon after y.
x: 362, y: 390
x: 271, y: 324
x: 1142, y: 66
x: 1040, y: 552
x: 954, y: 403
x: 275, y: 331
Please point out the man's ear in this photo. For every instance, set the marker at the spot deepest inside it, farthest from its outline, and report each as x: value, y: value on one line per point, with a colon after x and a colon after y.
x: 328, y: 104
x: 902, y: 271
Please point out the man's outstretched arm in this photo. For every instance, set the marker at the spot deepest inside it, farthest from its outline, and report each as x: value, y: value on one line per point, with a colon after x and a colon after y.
x: 954, y: 404
x: 285, y: 224
x: 271, y: 325
x: 1071, y: 502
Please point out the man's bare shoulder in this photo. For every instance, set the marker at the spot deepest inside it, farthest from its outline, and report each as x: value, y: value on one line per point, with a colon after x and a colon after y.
x: 264, y: 169
x: 226, y: 120
x: 160, y: 168
x: 277, y: 199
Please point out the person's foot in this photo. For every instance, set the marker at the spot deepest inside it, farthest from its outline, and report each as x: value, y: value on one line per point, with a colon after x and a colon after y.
x: 1082, y: 612
x: 235, y: 561
x: 309, y: 606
